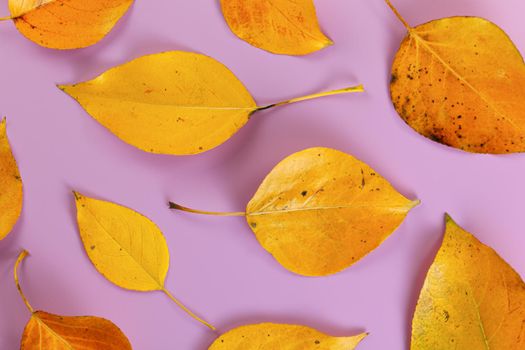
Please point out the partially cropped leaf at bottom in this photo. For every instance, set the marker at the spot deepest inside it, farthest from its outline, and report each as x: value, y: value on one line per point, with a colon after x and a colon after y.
x: 46, y: 331
x: 270, y: 336
x: 472, y: 299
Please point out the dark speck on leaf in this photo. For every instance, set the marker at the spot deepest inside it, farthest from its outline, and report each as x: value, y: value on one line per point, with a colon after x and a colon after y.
x: 393, y: 78
x: 304, y: 193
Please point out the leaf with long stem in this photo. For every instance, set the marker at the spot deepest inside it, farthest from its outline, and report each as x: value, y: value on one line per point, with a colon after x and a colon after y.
x: 125, y: 247
x: 315, y: 194
x: 174, y: 102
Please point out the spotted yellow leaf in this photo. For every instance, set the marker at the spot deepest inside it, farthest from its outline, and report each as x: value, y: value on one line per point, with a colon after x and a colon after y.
x: 278, y: 26
x: 174, y: 102
x: 125, y: 247
x: 471, y: 299
x: 321, y: 210
x: 66, y: 24
x: 460, y: 81
x: 269, y: 336
x: 10, y: 185
x: 55, y: 332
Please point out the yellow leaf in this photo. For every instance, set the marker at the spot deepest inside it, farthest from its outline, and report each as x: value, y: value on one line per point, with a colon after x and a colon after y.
x: 460, y: 81
x: 70, y: 24
x: 10, y: 186
x: 278, y: 26
x: 472, y: 299
x: 321, y: 210
x: 172, y: 103
x: 54, y: 332
x: 125, y: 247
x: 270, y: 336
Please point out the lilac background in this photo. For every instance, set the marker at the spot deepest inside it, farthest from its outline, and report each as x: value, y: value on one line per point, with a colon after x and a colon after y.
x: 218, y: 268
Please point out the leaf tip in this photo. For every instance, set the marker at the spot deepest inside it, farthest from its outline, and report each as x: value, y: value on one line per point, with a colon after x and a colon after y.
x: 328, y: 42
x: 415, y: 203
x: 449, y: 221
x: 78, y: 196
x: 62, y: 87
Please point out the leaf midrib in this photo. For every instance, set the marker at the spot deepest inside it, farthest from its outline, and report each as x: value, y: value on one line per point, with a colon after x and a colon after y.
x: 201, y: 107
x: 160, y: 287
x: 335, y: 207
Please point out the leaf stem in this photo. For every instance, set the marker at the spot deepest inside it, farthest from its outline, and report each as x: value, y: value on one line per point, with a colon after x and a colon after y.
x: 214, y: 213
x: 5, y: 18
x: 188, y: 311
x: 398, y: 15
x: 21, y: 257
x: 351, y: 89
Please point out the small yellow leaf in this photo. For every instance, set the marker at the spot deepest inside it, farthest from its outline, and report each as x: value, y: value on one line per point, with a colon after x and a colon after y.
x: 278, y: 26
x: 270, y: 336
x: 70, y: 24
x: 125, y: 247
x: 472, y: 299
x: 460, y: 81
x: 11, y: 193
x: 321, y: 210
x: 54, y: 332
x: 174, y: 102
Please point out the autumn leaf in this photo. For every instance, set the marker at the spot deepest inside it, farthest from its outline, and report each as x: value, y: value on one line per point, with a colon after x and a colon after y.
x: 321, y: 210
x: 54, y: 332
x: 125, y: 247
x: 278, y: 26
x: 471, y: 299
x: 11, y: 192
x: 283, y: 337
x: 174, y: 102
x: 70, y: 24
x: 460, y: 81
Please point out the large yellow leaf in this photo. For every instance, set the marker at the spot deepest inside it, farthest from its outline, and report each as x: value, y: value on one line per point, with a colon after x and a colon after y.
x: 10, y: 185
x: 321, y: 210
x: 286, y: 27
x: 125, y: 247
x: 472, y: 299
x: 54, y: 332
x: 460, y: 81
x: 66, y: 24
x: 271, y: 336
x: 172, y: 103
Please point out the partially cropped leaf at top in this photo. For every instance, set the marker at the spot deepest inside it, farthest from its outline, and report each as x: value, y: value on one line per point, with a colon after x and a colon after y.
x: 124, y: 246
x: 278, y: 26
x: 321, y: 210
x: 460, y: 81
x: 66, y: 24
x: 10, y: 185
x: 269, y: 336
x: 174, y: 102
x: 55, y: 332
x: 472, y: 299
